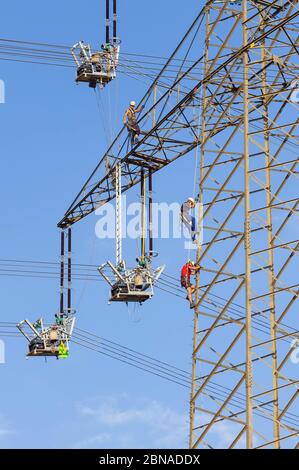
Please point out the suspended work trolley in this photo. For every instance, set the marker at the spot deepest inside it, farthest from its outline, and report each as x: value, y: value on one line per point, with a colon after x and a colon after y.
x: 53, y: 340
x: 48, y: 340
x: 98, y: 67
x: 132, y: 284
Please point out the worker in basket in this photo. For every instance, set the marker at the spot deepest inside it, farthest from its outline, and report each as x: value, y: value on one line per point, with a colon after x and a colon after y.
x: 187, y: 219
x: 107, y: 47
x: 60, y: 318
x: 130, y: 121
x: 189, y: 269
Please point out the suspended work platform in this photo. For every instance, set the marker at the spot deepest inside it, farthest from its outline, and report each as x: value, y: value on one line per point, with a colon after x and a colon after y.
x: 48, y: 341
x: 130, y: 285
x: 96, y: 68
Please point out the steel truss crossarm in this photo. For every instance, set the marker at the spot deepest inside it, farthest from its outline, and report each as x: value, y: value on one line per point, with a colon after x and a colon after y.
x: 174, y: 134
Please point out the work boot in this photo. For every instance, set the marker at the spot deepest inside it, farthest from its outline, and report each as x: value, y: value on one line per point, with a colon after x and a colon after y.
x: 192, y: 305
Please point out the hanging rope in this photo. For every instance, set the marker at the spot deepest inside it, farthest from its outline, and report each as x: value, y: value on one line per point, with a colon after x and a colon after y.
x: 143, y: 213
x: 134, y: 313
x: 102, y: 115
x: 195, y: 172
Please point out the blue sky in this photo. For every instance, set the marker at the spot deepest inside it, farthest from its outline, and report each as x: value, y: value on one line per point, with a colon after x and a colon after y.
x: 51, y: 139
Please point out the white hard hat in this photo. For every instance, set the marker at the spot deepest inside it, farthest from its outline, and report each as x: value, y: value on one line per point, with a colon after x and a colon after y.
x: 191, y: 200
x: 133, y: 103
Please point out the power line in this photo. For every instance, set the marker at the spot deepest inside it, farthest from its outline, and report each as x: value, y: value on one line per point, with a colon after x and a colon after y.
x: 163, y: 284
x: 153, y: 367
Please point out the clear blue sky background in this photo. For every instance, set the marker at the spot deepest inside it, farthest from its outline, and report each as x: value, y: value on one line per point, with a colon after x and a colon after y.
x: 51, y: 139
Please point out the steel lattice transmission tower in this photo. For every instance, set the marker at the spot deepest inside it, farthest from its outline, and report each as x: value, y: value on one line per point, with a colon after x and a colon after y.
x: 236, y: 102
x: 249, y: 191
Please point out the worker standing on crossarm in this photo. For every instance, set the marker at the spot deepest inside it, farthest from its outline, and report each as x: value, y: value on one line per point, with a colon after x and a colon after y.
x: 130, y: 121
x: 189, y: 269
x: 187, y: 219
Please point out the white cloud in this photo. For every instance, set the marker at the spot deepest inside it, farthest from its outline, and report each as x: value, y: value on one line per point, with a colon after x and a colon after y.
x: 97, y: 440
x: 4, y: 432
x: 119, y: 423
x: 147, y: 423
x: 5, y: 429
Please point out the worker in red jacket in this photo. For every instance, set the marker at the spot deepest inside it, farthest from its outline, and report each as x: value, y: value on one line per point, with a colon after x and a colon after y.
x: 189, y: 269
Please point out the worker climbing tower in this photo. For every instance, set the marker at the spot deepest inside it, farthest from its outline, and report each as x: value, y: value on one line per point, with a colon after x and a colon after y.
x: 246, y: 316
